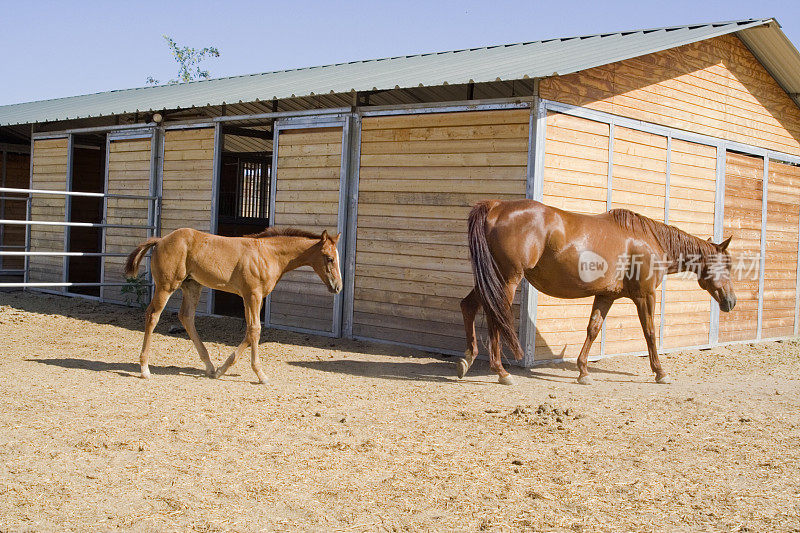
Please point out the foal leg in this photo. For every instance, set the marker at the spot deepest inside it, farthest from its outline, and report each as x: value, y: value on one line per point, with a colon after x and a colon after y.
x: 645, y: 306
x: 251, y: 338
x: 152, y: 315
x: 600, y: 309
x: 191, y: 295
x: 469, y: 308
x: 253, y: 315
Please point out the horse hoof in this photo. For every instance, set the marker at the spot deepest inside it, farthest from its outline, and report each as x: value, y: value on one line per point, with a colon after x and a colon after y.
x: 664, y: 380
x: 505, y: 380
x: 145, y: 375
x: 463, y: 366
x: 585, y: 380
x: 210, y: 372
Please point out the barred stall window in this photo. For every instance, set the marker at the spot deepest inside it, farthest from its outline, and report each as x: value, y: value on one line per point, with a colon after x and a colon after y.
x: 245, y: 198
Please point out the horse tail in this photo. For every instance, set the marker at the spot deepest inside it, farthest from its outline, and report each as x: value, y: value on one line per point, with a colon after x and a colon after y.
x: 135, y: 257
x: 489, y: 285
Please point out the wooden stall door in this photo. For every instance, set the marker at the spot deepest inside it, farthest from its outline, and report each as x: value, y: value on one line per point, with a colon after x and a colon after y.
x: 128, y: 173
x: 780, y: 268
x: 638, y: 183
x: 575, y: 179
x: 50, y: 161
x: 17, y: 176
x: 419, y: 177
x: 744, y: 177
x: 308, y: 174
x: 186, y: 188
x: 692, y: 186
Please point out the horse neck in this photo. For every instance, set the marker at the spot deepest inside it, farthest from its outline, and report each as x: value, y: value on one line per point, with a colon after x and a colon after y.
x: 690, y: 257
x: 290, y: 252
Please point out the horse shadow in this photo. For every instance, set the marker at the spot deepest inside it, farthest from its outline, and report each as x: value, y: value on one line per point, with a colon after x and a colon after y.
x: 121, y: 369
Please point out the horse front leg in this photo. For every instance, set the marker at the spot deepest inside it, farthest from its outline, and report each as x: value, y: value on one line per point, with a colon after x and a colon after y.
x: 600, y: 308
x: 645, y: 306
x: 469, y: 308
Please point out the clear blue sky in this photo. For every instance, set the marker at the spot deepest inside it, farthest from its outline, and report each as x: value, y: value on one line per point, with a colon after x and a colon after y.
x: 52, y: 49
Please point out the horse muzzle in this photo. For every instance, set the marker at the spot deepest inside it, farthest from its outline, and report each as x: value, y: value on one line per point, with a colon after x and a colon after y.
x: 727, y: 304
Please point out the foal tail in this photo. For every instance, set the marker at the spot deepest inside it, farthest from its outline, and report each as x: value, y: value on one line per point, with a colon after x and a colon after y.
x: 489, y: 285
x: 135, y: 257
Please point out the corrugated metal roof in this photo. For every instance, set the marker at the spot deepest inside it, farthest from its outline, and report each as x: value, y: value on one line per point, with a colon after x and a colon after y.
x: 494, y: 63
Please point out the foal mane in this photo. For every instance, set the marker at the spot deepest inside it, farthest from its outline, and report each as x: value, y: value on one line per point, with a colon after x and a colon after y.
x: 675, y: 242
x: 284, y: 232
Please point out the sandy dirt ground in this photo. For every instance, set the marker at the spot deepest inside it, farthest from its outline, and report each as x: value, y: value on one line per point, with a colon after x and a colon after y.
x: 362, y: 437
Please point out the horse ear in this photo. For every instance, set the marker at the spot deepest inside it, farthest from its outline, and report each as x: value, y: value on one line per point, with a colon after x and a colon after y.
x: 336, y: 239
x: 324, y: 235
x: 724, y: 244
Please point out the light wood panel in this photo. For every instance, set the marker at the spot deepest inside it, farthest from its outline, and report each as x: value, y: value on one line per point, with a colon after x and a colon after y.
x: 687, y: 317
x: 743, y: 199
x: 306, y: 158
x: 638, y: 183
x: 575, y: 179
x: 128, y: 173
x: 714, y: 87
x: 780, y: 268
x: 50, y: 160
x: 419, y: 177
x: 187, y: 187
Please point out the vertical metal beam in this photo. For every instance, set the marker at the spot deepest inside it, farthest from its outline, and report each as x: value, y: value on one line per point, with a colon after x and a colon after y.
x: 351, y: 229
x: 341, y: 218
x: 667, y: 179
x: 28, y: 207
x: 216, y: 175
x: 719, y: 222
x: 609, y: 197
x: 104, y: 220
x: 797, y: 282
x: 763, y: 257
x: 273, y: 187
x: 67, y: 208
x: 534, y: 190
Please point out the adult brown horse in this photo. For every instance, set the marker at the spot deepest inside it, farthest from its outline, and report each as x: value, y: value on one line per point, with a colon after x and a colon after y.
x: 618, y: 254
x: 248, y: 266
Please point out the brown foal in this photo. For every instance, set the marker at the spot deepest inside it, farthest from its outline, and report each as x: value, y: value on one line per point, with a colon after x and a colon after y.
x: 618, y: 254
x: 248, y: 266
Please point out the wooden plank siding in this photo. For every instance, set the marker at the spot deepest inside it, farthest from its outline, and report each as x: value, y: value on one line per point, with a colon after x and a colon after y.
x: 687, y: 313
x: 780, y: 268
x: 18, y: 172
x: 714, y: 87
x: 639, y: 176
x: 419, y: 177
x: 50, y: 160
x: 306, y: 158
x: 187, y: 186
x: 128, y: 173
x: 575, y: 179
x: 743, y: 196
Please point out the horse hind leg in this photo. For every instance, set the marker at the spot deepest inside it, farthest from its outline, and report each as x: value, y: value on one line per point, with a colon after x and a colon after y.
x: 152, y: 315
x: 191, y: 296
x: 469, y: 308
x: 600, y: 308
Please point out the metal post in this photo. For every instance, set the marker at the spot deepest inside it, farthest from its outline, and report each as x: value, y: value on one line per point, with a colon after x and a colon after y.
x: 273, y: 188
x: 609, y: 195
x: 342, y: 218
x: 763, y: 258
x: 3, y: 171
x: 104, y: 218
x: 351, y: 228
x: 797, y: 282
x: 28, y: 206
x: 666, y: 221
x: 534, y: 190
x: 68, y: 208
x: 719, y: 223
x: 216, y: 176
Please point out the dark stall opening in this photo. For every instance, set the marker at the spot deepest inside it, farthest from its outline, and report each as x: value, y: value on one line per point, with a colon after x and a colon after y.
x: 88, y: 175
x: 245, y: 174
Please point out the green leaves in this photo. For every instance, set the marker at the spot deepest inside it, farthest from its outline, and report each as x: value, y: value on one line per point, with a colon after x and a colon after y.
x: 136, y: 290
x: 188, y: 60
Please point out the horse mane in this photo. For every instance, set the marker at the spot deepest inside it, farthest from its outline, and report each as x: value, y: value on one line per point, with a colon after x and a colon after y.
x: 675, y: 242
x: 284, y: 232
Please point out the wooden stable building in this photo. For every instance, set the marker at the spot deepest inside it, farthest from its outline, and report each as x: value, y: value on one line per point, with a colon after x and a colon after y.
x: 697, y: 126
